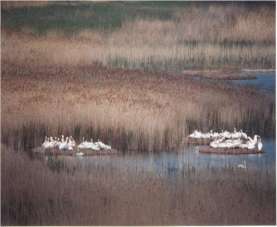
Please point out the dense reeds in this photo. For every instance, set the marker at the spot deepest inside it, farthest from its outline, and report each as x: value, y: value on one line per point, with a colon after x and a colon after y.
x: 57, y: 84
x: 156, y: 37
x: 58, y: 77
x: 32, y: 194
x: 131, y: 110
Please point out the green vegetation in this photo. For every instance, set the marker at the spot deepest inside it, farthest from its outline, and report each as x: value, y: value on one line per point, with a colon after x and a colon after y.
x: 74, y: 17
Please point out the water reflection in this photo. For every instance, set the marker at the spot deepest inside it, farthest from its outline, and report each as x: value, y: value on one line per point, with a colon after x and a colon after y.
x: 264, y: 81
x: 172, y: 164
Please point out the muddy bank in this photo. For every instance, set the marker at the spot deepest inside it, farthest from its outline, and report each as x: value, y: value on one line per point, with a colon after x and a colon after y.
x: 221, y: 74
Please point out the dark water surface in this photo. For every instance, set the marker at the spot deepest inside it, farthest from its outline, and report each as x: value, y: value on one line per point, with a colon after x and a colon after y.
x: 171, y: 164
x: 264, y: 81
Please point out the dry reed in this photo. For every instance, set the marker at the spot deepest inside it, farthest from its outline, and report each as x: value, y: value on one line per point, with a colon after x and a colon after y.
x: 54, y: 84
x: 32, y: 194
x: 206, y: 35
x: 131, y: 110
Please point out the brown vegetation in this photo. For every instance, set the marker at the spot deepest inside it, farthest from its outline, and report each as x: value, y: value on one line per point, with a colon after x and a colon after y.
x: 32, y: 194
x: 131, y: 110
x: 55, y: 84
x: 109, y: 51
x: 202, y: 35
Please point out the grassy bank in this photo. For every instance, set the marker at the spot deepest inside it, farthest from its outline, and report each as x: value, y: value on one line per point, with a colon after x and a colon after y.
x: 131, y: 110
x: 151, y: 36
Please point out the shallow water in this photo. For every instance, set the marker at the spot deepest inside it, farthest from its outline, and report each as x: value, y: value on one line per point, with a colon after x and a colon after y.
x: 172, y: 164
x: 264, y: 81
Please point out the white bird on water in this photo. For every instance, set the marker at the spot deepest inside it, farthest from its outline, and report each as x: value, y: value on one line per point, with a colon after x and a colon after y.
x: 88, y: 145
x: 256, y: 142
x: 102, y: 145
x: 260, y: 144
x: 64, y: 144
x: 242, y: 166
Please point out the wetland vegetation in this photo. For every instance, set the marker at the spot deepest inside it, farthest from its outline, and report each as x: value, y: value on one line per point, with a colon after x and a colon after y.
x: 114, y: 71
x: 149, y: 36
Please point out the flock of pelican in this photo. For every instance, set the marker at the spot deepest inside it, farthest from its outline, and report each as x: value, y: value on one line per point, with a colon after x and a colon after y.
x: 225, y: 139
x: 69, y: 144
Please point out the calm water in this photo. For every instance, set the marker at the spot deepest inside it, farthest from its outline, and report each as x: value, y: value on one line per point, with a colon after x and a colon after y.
x: 171, y: 164
x: 264, y: 81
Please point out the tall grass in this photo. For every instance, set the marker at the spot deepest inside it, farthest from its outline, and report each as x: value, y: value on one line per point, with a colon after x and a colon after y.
x: 61, y: 82
x: 202, y: 21
x: 131, y: 110
x: 32, y: 194
x: 171, y: 58
x: 161, y: 36
x: 58, y: 77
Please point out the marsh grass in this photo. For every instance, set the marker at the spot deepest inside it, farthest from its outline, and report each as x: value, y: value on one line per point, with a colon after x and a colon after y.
x: 149, y: 36
x: 68, y: 194
x: 58, y: 77
x: 222, y: 22
x: 130, y: 110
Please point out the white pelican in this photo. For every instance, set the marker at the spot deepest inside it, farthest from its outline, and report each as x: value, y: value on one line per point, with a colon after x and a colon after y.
x: 88, y: 145
x: 46, y: 144
x: 255, y: 143
x: 259, y: 143
x: 64, y: 145
x: 242, y: 166
x: 71, y: 143
x: 103, y: 146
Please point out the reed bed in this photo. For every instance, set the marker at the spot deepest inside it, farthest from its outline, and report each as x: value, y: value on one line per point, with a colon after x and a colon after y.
x: 91, y: 70
x: 32, y: 194
x: 164, y: 57
x: 131, y: 110
x: 162, y: 37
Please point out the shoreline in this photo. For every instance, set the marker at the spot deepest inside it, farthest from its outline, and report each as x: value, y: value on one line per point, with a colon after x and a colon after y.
x: 228, y: 151
x: 224, y: 74
x: 129, y: 109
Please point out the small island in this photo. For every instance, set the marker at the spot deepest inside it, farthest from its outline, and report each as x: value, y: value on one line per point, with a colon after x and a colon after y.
x: 226, y: 142
x: 68, y: 147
